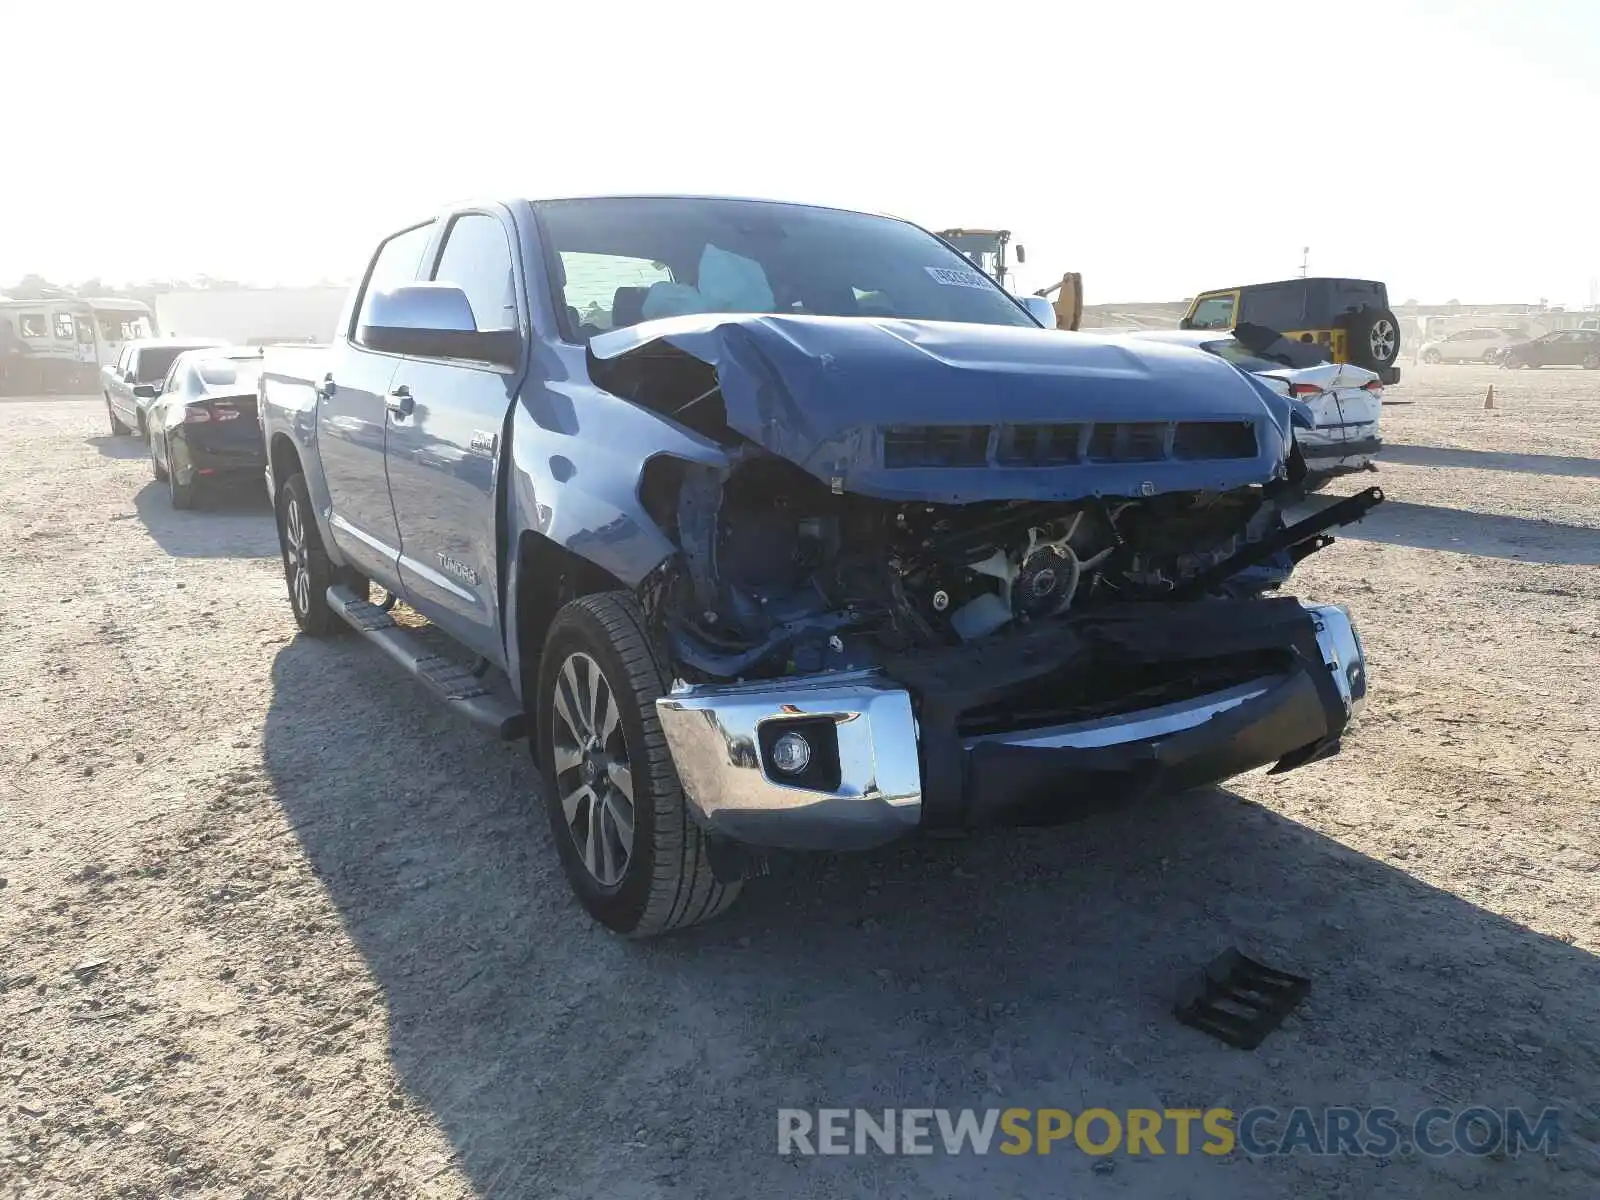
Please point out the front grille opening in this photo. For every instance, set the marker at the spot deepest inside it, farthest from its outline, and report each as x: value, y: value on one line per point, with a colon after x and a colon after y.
x: 935, y: 446
x: 1109, y: 689
x: 1038, y: 445
x: 1214, y: 439
x: 1128, y: 442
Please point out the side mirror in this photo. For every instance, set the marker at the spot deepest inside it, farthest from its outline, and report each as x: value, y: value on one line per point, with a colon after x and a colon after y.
x: 1022, y: 255
x: 433, y: 320
x: 145, y: 391
x: 1041, y: 310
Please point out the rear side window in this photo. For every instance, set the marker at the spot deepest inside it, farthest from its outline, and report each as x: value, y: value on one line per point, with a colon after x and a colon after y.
x: 1282, y: 306
x: 154, y: 362
x: 398, y: 261
x: 477, y: 259
x: 1355, y: 293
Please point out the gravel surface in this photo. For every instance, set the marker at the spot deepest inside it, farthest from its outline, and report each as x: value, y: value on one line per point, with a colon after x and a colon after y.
x: 274, y: 924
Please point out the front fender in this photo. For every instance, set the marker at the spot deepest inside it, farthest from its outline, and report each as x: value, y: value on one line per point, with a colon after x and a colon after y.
x: 573, y: 477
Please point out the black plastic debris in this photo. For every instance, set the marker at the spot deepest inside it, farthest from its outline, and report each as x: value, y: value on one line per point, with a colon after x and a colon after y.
x: 1239, y: 1001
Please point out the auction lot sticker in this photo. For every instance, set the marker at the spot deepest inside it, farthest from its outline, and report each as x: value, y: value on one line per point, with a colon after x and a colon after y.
x: 957, y: 277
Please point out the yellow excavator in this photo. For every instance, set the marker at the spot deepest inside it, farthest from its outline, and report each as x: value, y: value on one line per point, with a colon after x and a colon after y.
x: 987, y: 250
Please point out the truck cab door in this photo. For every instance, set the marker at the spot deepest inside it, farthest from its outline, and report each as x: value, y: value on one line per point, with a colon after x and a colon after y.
x: 445, y: 431
x: 353, y: 419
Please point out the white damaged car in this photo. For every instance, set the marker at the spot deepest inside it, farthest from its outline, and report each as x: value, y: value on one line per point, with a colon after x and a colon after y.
x: 1336, y: 421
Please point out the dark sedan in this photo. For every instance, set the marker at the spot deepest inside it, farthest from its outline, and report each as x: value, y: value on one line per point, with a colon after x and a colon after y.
x: 1564, y: 348
x: 203, y: 429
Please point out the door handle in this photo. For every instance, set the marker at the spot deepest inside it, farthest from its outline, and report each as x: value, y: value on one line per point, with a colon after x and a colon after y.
x: 327, y: 387
x: 400, y: 401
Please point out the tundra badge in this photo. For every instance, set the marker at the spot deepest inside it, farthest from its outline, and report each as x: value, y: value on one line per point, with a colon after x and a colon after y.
x: 454, y: 566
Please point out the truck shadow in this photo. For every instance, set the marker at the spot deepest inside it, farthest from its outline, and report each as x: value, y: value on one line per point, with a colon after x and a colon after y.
x: 1029, y: 968
x: 1433, y: 527
x: 1489, y: 460
x: 233, y: 522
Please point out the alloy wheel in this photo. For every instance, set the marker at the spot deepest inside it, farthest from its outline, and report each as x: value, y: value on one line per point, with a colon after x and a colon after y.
x: 294, y: 555
x: 594, y: 781
x: 1384, y: 339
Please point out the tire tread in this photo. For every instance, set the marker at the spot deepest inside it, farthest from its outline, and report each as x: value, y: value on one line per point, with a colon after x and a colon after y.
x: 683, y: 890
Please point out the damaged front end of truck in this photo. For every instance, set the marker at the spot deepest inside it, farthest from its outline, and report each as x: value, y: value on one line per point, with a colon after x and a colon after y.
x: 948, y: 575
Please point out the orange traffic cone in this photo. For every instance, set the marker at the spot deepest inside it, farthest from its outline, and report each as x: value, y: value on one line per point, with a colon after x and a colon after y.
x: 1488, y: 401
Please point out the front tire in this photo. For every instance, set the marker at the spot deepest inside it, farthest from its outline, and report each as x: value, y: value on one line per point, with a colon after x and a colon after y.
x: 118, y: 429
x: 1591, y: 362
x: 307, y: 570
x: 632, y: 854
x: 157, y: 467
x: 1432, y: 357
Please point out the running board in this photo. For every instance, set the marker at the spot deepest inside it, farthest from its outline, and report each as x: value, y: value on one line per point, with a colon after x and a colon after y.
x: 451, y: 681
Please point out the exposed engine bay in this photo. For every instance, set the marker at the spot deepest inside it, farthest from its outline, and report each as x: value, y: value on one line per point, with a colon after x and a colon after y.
x: 996, y: 479
x: 779, y: 574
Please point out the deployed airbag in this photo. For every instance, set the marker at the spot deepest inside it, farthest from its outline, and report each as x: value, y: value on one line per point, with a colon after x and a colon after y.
x: 728, y: 283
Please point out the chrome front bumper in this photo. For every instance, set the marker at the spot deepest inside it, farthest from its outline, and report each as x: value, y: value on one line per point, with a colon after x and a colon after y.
x: 714, y: 736
x: 872, y: 792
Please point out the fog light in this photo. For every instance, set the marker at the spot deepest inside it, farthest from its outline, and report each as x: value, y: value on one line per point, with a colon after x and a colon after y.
x: 791, y: 753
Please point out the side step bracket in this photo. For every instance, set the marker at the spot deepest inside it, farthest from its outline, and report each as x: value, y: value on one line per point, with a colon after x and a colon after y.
x: 458, y: 684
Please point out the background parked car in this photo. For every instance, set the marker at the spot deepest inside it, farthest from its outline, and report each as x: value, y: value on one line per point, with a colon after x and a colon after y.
x: 1341, y: 403
x: 132, y: 382
x: 202, y: 424
x: 1482, y: 344
x: 1564, y: 348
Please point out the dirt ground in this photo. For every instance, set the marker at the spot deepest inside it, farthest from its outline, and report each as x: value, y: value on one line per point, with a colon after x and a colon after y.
x: 273, y: 924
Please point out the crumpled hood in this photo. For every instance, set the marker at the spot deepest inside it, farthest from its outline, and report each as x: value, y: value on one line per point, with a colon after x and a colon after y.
x: 952, y: 413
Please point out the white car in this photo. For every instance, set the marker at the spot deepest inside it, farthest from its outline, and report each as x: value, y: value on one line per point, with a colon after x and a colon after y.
x: 1341, y: 404
x: 1468, y: 345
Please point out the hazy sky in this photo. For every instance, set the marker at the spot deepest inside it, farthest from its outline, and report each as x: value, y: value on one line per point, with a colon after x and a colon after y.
x: 1446, y: 146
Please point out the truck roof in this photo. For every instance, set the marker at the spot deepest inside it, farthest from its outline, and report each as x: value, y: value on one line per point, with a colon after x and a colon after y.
x: 708, y: 196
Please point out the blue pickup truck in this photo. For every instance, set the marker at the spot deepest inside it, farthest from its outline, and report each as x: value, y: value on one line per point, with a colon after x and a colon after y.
x: 781, y: 527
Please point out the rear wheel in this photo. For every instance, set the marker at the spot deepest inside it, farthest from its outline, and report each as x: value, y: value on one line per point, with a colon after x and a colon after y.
x: 307, y: 570
x: 157, y: 467
x: 1591, y: 362
x: 1432, y: 356
x: 183, y: 494
x: 632, y: 854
